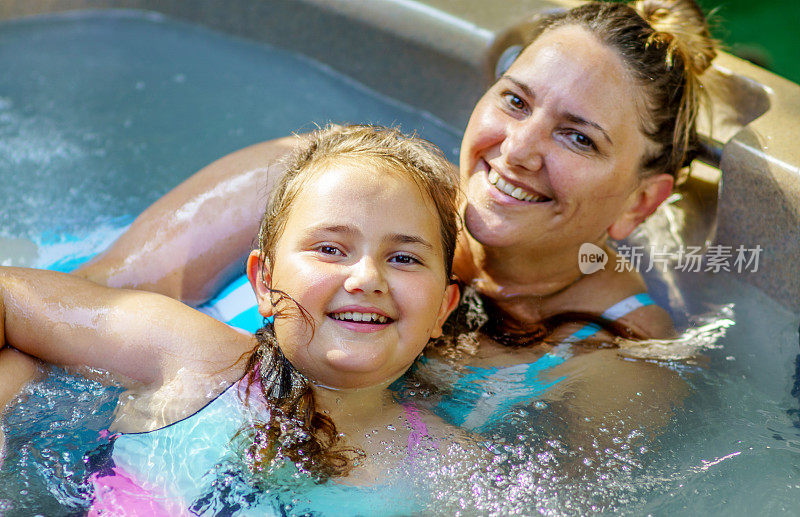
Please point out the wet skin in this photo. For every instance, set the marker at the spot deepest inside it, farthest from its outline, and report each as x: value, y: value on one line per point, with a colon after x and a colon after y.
x: 364, y: 241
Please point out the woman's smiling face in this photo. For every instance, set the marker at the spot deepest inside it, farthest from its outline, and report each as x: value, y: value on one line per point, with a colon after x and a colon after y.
x: 362, y: 253
x: 551, y: 154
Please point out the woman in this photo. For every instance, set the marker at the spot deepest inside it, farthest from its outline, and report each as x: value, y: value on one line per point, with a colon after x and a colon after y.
x: 580, y: 140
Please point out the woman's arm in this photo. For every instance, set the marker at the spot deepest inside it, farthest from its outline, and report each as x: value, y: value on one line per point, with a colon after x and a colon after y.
x: 193, y: 240
x: 608, y: 407
x: 140, y: 337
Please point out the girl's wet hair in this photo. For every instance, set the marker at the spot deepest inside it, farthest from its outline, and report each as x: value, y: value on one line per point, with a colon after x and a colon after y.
x: 666, y: 47
x: 295, y: 430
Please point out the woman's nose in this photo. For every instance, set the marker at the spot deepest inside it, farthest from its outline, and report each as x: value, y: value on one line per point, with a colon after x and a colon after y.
x: 366, y: 276
x: 524, y: 144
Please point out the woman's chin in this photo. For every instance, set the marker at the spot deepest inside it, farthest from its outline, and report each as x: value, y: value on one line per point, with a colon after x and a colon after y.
x: 488, y: 228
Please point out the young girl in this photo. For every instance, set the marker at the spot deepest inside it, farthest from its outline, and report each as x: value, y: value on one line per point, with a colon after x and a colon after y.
x: 354, y: 259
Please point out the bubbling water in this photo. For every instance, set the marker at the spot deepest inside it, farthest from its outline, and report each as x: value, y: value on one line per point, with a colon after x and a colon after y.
x: 55, y: 423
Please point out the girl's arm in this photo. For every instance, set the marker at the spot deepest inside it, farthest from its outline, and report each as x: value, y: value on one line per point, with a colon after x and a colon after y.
x: 16, y: 370
x: 193, y: 240
x: 141, y: 338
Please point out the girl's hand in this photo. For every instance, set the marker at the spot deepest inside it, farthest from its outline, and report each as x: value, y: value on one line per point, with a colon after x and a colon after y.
x: 16, y: 370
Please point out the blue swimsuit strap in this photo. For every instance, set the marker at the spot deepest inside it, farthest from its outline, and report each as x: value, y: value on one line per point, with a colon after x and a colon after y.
x: 613, y: 313
x: 483, y: 396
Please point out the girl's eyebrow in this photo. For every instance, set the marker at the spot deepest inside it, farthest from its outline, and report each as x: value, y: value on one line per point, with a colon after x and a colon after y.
x: 402, y: 238
x: 333, y: 228
x: 396, y: 238
x: 572, y: 117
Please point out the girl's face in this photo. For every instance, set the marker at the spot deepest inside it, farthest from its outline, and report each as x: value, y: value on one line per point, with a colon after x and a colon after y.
x: 552, y: 151
x: 361, y: 252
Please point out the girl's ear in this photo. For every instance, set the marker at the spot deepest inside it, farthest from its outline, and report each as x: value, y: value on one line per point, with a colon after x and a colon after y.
x: 645, y: 199
x: 260, y: 281
x: 449, y: 303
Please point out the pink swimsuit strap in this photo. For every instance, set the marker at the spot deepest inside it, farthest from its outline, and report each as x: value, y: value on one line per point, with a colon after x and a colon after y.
x: 419, y: 430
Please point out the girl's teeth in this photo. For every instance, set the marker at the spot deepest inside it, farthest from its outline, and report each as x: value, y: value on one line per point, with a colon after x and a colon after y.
x: 359, y: 316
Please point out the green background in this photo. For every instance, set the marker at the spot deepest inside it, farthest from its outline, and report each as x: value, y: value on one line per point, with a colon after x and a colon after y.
x: 764, y: 31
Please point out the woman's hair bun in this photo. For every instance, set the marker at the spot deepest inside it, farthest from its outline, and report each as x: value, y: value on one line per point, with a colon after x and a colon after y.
x: 682, y: 26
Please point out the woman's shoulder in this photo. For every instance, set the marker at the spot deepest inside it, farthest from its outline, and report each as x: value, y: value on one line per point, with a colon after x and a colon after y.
x: 620, y: 297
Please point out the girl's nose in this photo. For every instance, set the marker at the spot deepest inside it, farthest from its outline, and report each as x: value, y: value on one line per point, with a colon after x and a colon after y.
x: 523, y: 146
x: 366, y: 276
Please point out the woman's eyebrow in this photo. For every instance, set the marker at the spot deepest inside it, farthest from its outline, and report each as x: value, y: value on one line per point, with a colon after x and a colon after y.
x: 572, y: 117
x: 582, y: 121
x: 519, y: 84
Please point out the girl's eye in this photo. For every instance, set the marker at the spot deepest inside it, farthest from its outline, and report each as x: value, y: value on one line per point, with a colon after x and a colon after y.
x: 327, y: 249
x: 514, y: 101
x: 404, y: 259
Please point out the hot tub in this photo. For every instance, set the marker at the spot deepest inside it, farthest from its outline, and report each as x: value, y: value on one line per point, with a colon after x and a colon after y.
x: 103, y: 111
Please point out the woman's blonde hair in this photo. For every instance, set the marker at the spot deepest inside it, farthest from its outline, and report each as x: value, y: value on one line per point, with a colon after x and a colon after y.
x: 666, y: 47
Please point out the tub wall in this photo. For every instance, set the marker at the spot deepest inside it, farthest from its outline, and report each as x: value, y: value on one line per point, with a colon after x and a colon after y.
x: 386, y: 44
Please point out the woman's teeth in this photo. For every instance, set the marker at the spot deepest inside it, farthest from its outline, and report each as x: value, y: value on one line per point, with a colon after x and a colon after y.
x: 368, y: 317
x: 515, y: 192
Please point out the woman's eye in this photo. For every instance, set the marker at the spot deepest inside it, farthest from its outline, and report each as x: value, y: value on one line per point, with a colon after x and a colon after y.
x: 514, y: 101
x: 581, y: 140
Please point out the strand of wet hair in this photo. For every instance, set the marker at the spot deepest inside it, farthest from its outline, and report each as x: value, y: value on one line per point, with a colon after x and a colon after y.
x: 294, y: 429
